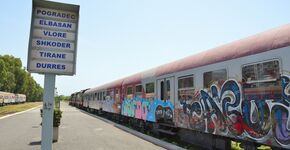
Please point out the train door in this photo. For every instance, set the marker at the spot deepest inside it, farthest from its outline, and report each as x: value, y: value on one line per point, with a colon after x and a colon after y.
x: 165, y: 93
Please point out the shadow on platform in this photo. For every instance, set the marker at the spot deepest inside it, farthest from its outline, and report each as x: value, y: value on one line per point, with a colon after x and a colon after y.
x: 35, y: 143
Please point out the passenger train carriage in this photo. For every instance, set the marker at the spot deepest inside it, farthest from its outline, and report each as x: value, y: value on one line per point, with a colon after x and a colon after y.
x: 11, y: 98
x: 236, y: 91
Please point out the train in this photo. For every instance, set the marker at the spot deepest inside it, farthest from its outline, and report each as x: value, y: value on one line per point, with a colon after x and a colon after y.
x: 7, y: 98
x: 238, y: 91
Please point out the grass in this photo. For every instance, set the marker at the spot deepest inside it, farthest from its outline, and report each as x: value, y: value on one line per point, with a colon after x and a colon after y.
x: 10, y: 109
x: 236, y: 146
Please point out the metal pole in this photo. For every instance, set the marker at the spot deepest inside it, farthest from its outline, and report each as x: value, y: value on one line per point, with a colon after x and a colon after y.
x: 47, y: 119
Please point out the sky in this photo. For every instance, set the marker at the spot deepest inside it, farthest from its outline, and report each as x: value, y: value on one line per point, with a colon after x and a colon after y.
x: 118, y: 38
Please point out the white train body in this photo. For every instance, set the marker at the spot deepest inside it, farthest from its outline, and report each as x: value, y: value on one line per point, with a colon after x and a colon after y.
x: 240, y: 91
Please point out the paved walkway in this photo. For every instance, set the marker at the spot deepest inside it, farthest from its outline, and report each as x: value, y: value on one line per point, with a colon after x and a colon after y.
x: 78, y: 131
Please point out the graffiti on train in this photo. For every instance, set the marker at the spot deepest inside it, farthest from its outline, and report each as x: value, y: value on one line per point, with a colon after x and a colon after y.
x: 145, y: 109
x: 263, y: 116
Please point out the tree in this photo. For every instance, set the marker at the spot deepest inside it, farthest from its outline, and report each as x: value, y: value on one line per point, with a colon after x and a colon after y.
x: 15, y: 79
x: 3, y: 74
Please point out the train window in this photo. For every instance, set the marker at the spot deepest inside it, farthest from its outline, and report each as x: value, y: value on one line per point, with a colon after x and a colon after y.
x: 262, y: 80
x: 149, y: 90
x: 138, y: 90
x: 150, y: 87
x: 104, y: 96
x: 111, y: 94
x: 107, y: 95
x: 117, y: 92
x: 261, y: 71
x: 162, y: 90
x: 123, y: 92
x: 129, y: 92
x: 186, y: 88
x: 214, y: 77
x: 168, y: 89
x: 185, y: 82
x: 117, y: 97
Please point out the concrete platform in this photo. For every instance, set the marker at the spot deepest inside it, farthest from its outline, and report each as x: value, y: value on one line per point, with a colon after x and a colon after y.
x: 78, y: 131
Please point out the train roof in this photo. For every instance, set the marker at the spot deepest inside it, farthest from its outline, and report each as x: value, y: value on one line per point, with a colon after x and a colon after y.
x: 269, y: 40
x: 116, y: 83
x: 6, y: 93
x: 262, y: 42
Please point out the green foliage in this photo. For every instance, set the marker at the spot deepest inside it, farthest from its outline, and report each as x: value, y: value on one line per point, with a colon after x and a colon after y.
x: 62, y: 98
x: 15, y: 79
x: 57, y: 114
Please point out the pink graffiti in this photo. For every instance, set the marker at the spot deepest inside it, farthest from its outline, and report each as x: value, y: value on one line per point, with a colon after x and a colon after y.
x: 138, y: 113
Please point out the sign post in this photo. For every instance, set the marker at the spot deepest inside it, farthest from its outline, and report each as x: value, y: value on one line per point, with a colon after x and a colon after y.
x: 52, y: 51
x: 47, y: 118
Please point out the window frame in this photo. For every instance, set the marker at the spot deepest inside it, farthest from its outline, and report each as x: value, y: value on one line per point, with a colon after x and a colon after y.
x: 183, y: 77
x: 203, y: 77
x: 138, y: 93
x: 153, y: 87
x: 117, y: 91
x: 258, y: 84
x: 130, y: 86
x: 261, y: 62
x: 185, y: 88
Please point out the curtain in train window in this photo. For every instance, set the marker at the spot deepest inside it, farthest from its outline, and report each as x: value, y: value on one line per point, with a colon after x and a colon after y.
x: 186, y: 88
x: 217, y: 77
x: 262, y: 81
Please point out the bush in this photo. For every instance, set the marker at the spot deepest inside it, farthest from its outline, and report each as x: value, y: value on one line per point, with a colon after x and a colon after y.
x: 57, y: 114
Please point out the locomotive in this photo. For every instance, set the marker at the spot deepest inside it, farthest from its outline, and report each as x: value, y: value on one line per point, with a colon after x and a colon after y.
x: 239, y: 91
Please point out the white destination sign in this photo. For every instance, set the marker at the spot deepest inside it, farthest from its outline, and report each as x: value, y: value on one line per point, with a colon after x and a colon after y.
x: 50, y: 44
x: 42, y: 54
x: 51, y: 66
x: 53, y: 38
x: 56, y: 14
x: 53, y: 24
x: 45, y: 33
